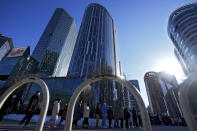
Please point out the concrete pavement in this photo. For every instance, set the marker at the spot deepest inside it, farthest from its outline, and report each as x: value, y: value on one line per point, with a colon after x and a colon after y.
x: 10, y: 125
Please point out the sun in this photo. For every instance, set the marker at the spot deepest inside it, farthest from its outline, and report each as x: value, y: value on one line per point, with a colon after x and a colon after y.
x: 171, y: 66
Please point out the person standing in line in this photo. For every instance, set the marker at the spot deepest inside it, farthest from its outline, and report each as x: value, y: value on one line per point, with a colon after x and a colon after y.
x: 32, y: 108
x: 121, y: 117
x: 134, y: 117
x: 126, y: 117
x: 98, y: 113
x: 77, y: 113
x: 110, y: 115
x: 64, y: 114
x: 104, y: 109
x: 86, y: 113
x: 130, y: 119
x: 54, y: 115
x: 116, y: 118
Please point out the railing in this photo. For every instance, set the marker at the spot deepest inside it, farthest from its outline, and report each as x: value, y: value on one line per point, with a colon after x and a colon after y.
x: 45, y: 103
x: 184, y: 102
x: 131, y: 88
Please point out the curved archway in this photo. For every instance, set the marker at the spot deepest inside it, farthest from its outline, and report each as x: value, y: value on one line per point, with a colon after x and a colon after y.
x: 184, y: 102
x: 45, y: 103
x: 83, y: 86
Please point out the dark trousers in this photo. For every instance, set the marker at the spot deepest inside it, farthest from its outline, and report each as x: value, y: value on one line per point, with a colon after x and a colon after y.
x: 126, y: 123
x: 75, y: 122
x: 110, y: 122
x: 27, y: 118
x: 121, y: 122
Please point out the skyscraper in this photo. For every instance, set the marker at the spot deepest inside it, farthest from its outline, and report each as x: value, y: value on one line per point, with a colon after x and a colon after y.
x: 55, y: 47
x: 95, y: 49
x: 182, y: 30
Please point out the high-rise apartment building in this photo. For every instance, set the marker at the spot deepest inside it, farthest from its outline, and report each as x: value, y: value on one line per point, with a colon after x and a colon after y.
x: 95, y: 49
x: 182, y: 30
x: 55, y: 47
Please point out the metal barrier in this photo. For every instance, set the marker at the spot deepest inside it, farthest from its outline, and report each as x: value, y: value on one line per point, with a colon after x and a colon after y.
x: 184, y: 102
x: 84, y: 85
x: 45, y: 103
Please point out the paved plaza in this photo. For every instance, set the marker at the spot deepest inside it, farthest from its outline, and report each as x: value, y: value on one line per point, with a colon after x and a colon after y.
x: 10, y: 125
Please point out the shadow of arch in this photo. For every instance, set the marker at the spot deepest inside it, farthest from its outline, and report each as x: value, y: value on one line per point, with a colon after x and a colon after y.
x: 45, y: 103
x: 84, y: 85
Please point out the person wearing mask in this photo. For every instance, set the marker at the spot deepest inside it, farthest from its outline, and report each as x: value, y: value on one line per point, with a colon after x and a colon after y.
x: 32, y: 108
x: 54, y: 115
x: 86, y: 113
x: 126, y: 117
x: 98, y: 113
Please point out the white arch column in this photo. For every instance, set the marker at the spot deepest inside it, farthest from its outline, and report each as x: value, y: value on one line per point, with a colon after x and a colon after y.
x: 45, y: 103
x: 184, y: 102
x: 130, y: 87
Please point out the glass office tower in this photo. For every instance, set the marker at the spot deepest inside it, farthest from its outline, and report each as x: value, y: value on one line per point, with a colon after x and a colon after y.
x: 6, y: 46
x: 95, y: 49
x: 55, y: 47
x: 182, y: 29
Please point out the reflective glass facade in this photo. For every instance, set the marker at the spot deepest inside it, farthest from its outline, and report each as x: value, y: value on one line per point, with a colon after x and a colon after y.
x: 5, y: 46
x: 182, y: 29
x: 95, y: 49
x: 55, y: 47
x: 61, y: 87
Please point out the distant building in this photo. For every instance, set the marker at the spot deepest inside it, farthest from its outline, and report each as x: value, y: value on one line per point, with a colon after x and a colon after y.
x: 182, y: 30
x: 6, y: 46
x: 55, y: 47
x: 154, y: 93
x: 132, y: 101
x: 162, y: 89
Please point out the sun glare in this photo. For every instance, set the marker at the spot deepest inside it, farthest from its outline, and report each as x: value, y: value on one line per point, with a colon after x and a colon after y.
x: 171, y: 66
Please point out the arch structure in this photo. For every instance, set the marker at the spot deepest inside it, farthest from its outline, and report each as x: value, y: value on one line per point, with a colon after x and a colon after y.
x: 184, y: 102
x: 46, y: 97
x: 130, y: 87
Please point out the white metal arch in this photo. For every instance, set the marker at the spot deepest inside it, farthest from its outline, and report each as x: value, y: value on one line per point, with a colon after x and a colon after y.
x: 45, y: 103
x: 184, y: 102
x: 83, y: 86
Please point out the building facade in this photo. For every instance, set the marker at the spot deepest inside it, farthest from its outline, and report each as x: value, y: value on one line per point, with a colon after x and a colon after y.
x: 95, y: 51
x: 55, y: 47
x: 6, y: 46
x: 182, y: 30
x: 154, y: 93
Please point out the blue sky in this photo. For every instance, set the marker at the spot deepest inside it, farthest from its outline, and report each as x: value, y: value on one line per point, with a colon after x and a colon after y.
x: 141, y: 27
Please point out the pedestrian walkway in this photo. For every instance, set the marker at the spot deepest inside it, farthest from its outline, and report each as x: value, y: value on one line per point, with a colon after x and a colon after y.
x: 10, y: 125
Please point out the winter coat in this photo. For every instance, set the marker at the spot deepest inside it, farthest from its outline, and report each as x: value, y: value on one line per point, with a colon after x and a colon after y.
x: 33, y: 103
x: 98, y: 111
x: 126, y: 114
x: 55, y: 111
x: 110, y: 114
x: 86, y: 111
x: 104, y: 109
x: 78, y: 112
x: 130, y: 118
x: 116, y: 115
x: 64, y: 112
x: 121, y: 114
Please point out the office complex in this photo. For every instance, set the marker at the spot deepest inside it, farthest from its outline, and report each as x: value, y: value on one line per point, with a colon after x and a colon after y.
x: 182, y: 30
x: 162, y: 90
x: 95, y: 51
x: 55, y: 47
x: 6, y: 46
